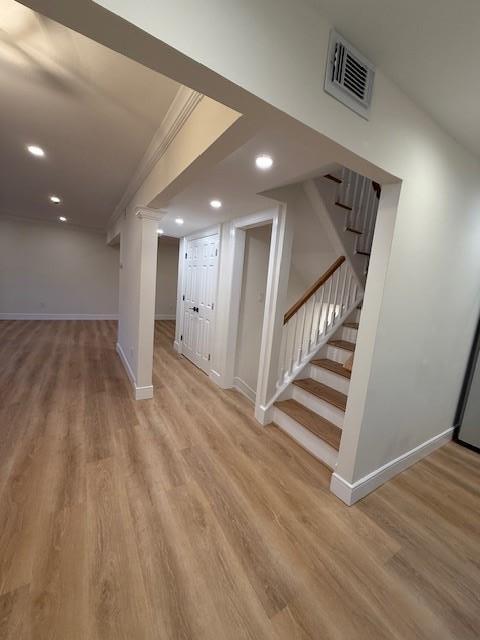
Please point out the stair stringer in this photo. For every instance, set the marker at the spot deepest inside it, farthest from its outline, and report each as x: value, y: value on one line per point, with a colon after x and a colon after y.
x: 321, y: 194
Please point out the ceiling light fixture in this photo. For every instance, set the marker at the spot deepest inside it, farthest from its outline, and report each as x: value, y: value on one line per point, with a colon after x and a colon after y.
x: 55, y: 199
x: 62, y: 218
x: 179, y: 220
x: 35, y: 150
x: 264, y: 161
x: 160, y: 232
x: 215, y: 204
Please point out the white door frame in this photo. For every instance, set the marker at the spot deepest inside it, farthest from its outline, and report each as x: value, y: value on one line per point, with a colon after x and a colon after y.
x: 228, y: 304
x: 210, y: 231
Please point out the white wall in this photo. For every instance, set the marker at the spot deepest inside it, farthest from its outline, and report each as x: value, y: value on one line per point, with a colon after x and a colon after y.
x: 252, y: 305
x: 425, y: 295
x: 167, y: 273
x: 312, y: 251
x: 50, y: 269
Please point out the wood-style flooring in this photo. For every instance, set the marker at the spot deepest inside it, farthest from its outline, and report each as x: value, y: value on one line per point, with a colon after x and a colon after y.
x: 181, y: 518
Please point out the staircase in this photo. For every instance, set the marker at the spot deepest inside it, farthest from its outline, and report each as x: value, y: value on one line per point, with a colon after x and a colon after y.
x: 351, y: 201
x: 312, y: 409
x: 320, y: 330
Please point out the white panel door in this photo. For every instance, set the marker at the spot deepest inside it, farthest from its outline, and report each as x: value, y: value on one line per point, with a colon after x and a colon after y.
x: 200, y: 284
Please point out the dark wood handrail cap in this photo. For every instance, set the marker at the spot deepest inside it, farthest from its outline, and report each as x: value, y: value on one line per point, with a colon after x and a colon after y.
x: 315, y: 286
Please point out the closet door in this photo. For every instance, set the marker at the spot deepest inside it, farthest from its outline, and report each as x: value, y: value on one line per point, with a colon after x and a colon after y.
x: 199, y: 304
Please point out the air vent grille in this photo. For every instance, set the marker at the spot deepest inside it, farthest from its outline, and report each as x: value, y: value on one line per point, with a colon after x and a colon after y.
x: 349, y: 75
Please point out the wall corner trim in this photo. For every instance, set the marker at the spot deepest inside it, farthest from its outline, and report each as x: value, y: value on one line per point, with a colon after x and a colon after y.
x: 352, y: 492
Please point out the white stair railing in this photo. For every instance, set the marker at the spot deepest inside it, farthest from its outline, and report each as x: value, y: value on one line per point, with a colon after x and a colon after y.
x: 359, y: 193
x: 310, y: 322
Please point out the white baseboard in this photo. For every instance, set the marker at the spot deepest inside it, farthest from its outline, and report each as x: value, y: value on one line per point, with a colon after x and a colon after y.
x: 58, y: 316
x: 245, y: 389
x: 165, y: 316
x: 352, y: 492
x: 177, y: 346
x: 140, y: 393
x: 263, y: 415
x: 126, y: 364
x: 143, y: 393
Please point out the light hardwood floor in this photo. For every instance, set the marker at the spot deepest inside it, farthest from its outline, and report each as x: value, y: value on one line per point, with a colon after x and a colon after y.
x: 181, y: 518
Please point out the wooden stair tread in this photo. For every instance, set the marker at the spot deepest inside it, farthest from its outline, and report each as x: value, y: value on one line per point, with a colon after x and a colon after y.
x: 342, y: 344
x: 320, y: 427
x: 322, y: 391
x: 344, y: 206
x: 333, y: 366
x: 329, y: 176
x: 351, y: 325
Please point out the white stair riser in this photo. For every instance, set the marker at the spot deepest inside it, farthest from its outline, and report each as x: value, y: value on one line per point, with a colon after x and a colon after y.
x: 356, y: 315
x: 324, y: 409
x: 309, y: 441
x: 331, y: 379
x: 339, y: 355
x: 348, y: 334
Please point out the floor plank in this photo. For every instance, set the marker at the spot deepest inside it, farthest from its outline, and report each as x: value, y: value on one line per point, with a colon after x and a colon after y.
x: 180, y: 517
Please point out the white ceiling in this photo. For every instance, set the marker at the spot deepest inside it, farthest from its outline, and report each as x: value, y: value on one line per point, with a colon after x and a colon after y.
x: 237, y: 182
x: 430, y: 48
x: 94, y: 112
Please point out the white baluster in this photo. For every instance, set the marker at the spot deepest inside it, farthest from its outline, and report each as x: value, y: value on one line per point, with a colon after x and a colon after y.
x: 319, y: 318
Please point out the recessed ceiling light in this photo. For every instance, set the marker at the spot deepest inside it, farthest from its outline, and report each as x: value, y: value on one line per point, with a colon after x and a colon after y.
x: 62, y: 218
x: 264, y: 161
x: 55, y: 199
x: 216, y: 204
x: 35, y: 150
x: 179, y: 220
x: 160, y: 232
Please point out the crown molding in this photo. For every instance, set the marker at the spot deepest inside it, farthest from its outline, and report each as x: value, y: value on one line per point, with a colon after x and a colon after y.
x: 146, y: 213
x: 181, y: 108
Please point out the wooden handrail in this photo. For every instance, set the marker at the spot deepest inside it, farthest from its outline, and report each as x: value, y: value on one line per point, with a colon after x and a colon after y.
x: 315, y: 286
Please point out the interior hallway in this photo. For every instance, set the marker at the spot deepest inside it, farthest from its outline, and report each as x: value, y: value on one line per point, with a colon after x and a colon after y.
x: 181, y: 518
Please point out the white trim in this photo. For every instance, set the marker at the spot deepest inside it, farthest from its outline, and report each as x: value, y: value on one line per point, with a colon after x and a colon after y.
x: 147, y: 213
x: 244, y: 389
x: 165, y: 316
x: 125, y: 363
x: 181, y: 108
x: 143, y: 393
x: 177, y: 346
x: 58, y: 316
x: 204, y: 233
x: 140, y: 393
x: 351, y: 493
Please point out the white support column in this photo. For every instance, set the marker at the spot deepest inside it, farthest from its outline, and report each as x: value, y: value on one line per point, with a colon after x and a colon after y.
x: 275, y: 305
x: 139, y: 242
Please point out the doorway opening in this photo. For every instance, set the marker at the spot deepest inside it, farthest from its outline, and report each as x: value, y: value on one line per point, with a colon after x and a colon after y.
x: 252, y: 309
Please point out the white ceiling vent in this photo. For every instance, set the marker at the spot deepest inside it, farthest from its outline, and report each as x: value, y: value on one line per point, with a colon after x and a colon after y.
x: 349, y: 75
